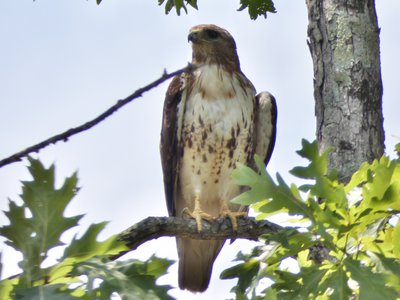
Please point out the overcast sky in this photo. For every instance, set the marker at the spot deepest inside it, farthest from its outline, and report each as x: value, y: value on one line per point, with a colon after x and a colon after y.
x: 64, y: 62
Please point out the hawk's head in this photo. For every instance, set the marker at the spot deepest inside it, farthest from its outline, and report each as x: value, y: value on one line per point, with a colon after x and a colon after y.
x: 213, y: 45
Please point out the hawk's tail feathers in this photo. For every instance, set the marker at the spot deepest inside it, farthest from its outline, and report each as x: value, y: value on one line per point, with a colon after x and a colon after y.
x: 196, y: 258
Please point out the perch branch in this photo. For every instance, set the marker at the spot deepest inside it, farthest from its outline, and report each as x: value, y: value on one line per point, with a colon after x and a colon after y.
x: 64, y: 136
x: 221, y: 229
x: 155, y: 227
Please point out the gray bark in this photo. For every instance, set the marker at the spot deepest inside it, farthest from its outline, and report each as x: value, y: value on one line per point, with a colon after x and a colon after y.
x: 221, y: 229
x: 344, y: 44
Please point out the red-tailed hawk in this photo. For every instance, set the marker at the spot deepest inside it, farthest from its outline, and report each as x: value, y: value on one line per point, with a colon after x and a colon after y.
x: 212, y: 119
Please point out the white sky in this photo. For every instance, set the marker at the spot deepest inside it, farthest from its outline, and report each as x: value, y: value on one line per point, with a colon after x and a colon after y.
x: 64, y: 62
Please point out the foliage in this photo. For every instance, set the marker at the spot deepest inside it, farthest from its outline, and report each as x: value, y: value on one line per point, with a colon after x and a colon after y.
x: 85, y: 270
x: 346, y: 239
x: 344, y: 242
x: 178, y: 4
x: 256, y: 8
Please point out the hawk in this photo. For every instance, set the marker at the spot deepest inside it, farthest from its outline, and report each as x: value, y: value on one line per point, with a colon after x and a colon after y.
x: 212, y: 118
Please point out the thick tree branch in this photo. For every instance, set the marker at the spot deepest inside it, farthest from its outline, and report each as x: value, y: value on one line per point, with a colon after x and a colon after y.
x: 155, y: 227
x: 64, y: 136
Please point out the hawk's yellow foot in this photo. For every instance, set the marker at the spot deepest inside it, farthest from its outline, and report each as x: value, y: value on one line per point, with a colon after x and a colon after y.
x: 198, y: 215
x: 226, y: 212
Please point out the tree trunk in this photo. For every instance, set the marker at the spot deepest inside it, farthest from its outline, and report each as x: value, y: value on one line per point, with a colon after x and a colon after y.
x: 344, y: 44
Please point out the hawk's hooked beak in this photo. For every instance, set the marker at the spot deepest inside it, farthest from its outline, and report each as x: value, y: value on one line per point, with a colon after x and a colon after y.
x: 193, y: 36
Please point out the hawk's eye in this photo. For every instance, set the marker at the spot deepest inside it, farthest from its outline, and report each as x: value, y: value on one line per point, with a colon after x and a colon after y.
x: 212, y: 34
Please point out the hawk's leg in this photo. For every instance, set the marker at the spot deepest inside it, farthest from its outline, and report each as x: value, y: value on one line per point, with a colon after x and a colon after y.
x: 198, y: 214
x: 226, y: 212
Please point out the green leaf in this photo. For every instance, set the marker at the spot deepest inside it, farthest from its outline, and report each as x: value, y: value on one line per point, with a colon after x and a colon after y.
x: 192, y: 3
x: 87, y: 246
x: 178, y: 4
x: 246, y: 273
x: 84, y: 248
x: 390, y: 264
x: 19, y: 229
x: 130, y: 279
x: 257, y: 8
x: 325, y: 214
x: 263, y: 187
x: 47, y: 204
x: 44, y: 292
x: 283, y: 237
x: 287, y: 282
x: 382, y: 188
x: 283, y: 197
x: 287, y: 244
x: 6, y: 287
x: 318, y: 163
x: 372, y: 285
x: 259, y: 183
x: 270, y: 294
x: 326, y: 186
x: 244, y: 175
x: 396, y: 240
x: 35, y: 236
x: 359, y: 177
x: 311, y: 278
x: 337, y: 282
x: 397, y: 149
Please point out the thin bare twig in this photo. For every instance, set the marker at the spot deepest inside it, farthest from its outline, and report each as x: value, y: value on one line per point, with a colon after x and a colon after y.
x: 64, y: 136
x: 155, y: 227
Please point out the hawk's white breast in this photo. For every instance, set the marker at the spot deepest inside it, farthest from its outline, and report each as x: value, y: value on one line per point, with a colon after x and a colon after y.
x: 217, y: 132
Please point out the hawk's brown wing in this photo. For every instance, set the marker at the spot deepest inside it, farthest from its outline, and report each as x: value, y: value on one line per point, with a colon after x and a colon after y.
x: 265, y: 125
x: 169, y: 141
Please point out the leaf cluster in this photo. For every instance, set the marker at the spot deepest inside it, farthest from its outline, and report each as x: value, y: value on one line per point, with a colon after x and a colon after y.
x: 178, y: 5
x: 346, y: 239
x: 85, y: 270
x: 255, y: 8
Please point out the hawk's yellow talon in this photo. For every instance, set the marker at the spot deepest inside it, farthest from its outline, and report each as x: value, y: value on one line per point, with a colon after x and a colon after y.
x: 233, y: 216
x: 198, y: 215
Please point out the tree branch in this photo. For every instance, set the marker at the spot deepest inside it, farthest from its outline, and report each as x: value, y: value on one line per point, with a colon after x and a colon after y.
x: 155, y: 227
x: 64, y: 136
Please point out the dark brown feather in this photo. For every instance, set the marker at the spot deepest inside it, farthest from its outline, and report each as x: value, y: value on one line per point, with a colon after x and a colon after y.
x: 274, y: 117
x: 266, y: 112
x: 169, y: 143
